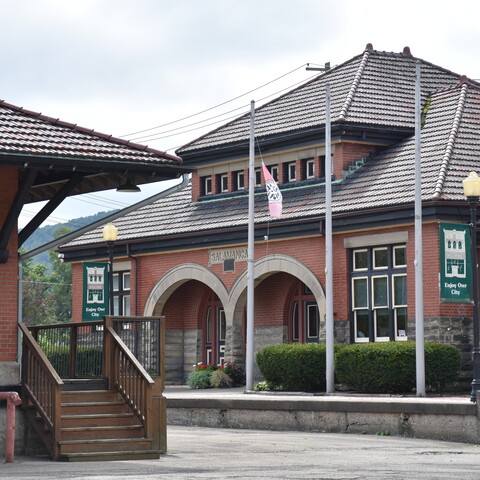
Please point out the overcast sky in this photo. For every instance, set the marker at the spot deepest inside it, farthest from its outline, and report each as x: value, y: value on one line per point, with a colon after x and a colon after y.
x: 124, y: 66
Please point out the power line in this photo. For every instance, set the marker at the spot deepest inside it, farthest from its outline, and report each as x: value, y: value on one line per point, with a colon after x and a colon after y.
x: 215, y: 106
x: 154, y: 136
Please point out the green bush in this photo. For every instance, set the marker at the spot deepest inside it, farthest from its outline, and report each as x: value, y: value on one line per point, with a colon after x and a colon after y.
x: 89, y: 361
x: 294, y: 367
x: 200, y: 379
x: 391, y: 367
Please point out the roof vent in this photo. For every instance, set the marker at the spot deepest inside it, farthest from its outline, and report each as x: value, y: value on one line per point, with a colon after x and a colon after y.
x: 407, y: 52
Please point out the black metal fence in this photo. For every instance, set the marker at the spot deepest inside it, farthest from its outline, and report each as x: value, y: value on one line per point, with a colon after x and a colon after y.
x: 76, y: 349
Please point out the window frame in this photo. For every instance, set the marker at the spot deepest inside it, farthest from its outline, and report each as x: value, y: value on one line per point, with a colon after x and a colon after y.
x: 121, y: 292
x: 378, y: 301
x: 240, y: 180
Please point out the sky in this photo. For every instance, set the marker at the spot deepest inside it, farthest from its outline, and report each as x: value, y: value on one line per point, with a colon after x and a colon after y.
x: 127, y: 66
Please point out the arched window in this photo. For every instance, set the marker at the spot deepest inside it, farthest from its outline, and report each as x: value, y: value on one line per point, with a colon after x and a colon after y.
x: 304, y: 321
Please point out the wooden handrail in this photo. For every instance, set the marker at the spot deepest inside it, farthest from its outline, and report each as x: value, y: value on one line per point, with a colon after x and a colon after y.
x: 41, y: 387
x: 128, y: 377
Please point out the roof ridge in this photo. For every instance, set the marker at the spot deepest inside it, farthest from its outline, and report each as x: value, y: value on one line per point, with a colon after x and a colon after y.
x: 88, y: 131
x: 354, y: 86
x: 451, y: 142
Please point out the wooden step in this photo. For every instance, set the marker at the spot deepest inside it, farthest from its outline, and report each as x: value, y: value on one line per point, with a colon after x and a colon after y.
x: 103, y: 432
x: 104, y: 445
x: 111, y: 456
x: 100, y: 419
x: 89, y: 408
x: 73, y: 396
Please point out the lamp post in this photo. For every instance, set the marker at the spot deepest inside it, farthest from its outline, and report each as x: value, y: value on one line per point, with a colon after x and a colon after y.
x: 110, y: 232
x: 471, y: 189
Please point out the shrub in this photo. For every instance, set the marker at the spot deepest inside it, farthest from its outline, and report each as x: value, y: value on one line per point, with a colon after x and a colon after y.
x: 220, y: 379
x: 88, y: 361
x: 200, y: 379
x: 294, y: 367
x: 236, y: 373
x: 390, y: 367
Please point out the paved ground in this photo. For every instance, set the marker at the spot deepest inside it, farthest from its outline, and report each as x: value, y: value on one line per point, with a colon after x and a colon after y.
x: 203, y: 453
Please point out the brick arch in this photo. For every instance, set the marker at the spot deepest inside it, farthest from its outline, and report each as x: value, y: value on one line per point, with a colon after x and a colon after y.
x: 275, y: 263
x: 176, y: 277
x: 265, y: 267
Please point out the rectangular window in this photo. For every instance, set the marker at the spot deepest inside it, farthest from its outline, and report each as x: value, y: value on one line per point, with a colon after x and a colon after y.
x: 224, y: 183
x: 308, y: 165
x: 206, y: 185
x: 240, y: 179
x: 258, y: 177
x: 274, y: 172
x: 121, y: 293
x: 379, y: 293
x: 291, y: 172
x: 312, y: 322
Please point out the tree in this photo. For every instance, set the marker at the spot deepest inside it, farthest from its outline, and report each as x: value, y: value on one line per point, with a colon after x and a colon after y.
x: 61, y: 277
x: 47, y: 297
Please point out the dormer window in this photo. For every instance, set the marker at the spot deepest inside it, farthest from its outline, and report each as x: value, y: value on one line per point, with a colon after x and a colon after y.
x: 258, y: 177
x: 207, y: 185
x: 224, y: 183
x: 240, y: 179
x: 291, y: 172
x: 309, y: 168
x: 274, y: 172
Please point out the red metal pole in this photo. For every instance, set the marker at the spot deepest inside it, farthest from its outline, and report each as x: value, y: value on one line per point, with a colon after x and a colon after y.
x: 12, y: 401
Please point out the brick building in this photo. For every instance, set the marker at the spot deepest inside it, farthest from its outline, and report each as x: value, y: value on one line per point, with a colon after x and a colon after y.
x: 185, y: 256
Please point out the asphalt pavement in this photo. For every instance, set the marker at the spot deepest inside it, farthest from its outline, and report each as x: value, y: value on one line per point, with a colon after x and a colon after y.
x: 207, y: 453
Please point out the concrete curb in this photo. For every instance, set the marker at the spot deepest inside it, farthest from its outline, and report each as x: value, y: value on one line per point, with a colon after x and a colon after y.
x: 438, y: 418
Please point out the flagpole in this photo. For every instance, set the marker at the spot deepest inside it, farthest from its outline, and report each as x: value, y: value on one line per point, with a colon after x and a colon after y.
x: 329, y: 325
x: 419, y: 321
x: 250, y: 254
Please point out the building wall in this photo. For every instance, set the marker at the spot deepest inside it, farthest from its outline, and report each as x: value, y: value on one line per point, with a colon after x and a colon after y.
x: 9, y: 291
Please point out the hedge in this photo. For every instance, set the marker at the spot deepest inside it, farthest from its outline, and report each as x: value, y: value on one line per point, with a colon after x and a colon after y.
x: 89, y: 361
x: 374, y: 367
x: 294, y: 367
x: 391, y: 367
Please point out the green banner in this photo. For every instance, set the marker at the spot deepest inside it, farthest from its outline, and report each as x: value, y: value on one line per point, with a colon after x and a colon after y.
x: 455, y: 263
x: 95, y: 291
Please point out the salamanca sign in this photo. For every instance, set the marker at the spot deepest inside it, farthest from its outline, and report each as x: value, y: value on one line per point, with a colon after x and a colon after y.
x: 219, y: 256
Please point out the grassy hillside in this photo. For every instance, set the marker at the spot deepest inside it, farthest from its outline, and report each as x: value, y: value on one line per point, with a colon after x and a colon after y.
x: 45, y: 234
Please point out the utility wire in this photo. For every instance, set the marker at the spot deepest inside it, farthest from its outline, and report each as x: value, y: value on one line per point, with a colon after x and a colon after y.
x: 154, y: 136
x: 215, y: 106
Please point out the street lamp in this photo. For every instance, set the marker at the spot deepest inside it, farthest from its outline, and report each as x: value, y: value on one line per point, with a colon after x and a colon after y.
x: 110, y: 232
x: 471, y: 189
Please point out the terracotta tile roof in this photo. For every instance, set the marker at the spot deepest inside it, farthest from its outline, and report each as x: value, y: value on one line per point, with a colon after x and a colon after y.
x: 450, y: 146
x: 23, y: 132
x: 373, y: 88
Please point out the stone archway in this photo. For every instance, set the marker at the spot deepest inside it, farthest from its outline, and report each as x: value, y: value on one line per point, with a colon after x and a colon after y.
x: 265, y: 267
x: 183, y: 286
x: 175, y: 277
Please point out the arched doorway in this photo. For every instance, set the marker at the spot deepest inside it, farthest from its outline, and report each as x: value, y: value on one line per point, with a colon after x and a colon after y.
x: 304, y: 320
x: 214, y: 330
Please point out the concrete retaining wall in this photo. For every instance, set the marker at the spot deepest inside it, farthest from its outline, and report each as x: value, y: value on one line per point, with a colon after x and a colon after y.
x: 435, y: 419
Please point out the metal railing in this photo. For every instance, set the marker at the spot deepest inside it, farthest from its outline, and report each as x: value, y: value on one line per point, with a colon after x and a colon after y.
x: 76, y: 349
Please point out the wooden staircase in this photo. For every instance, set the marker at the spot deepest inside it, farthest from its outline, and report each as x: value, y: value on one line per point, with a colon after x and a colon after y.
x: 97, y: 425
x: 121, y: 416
